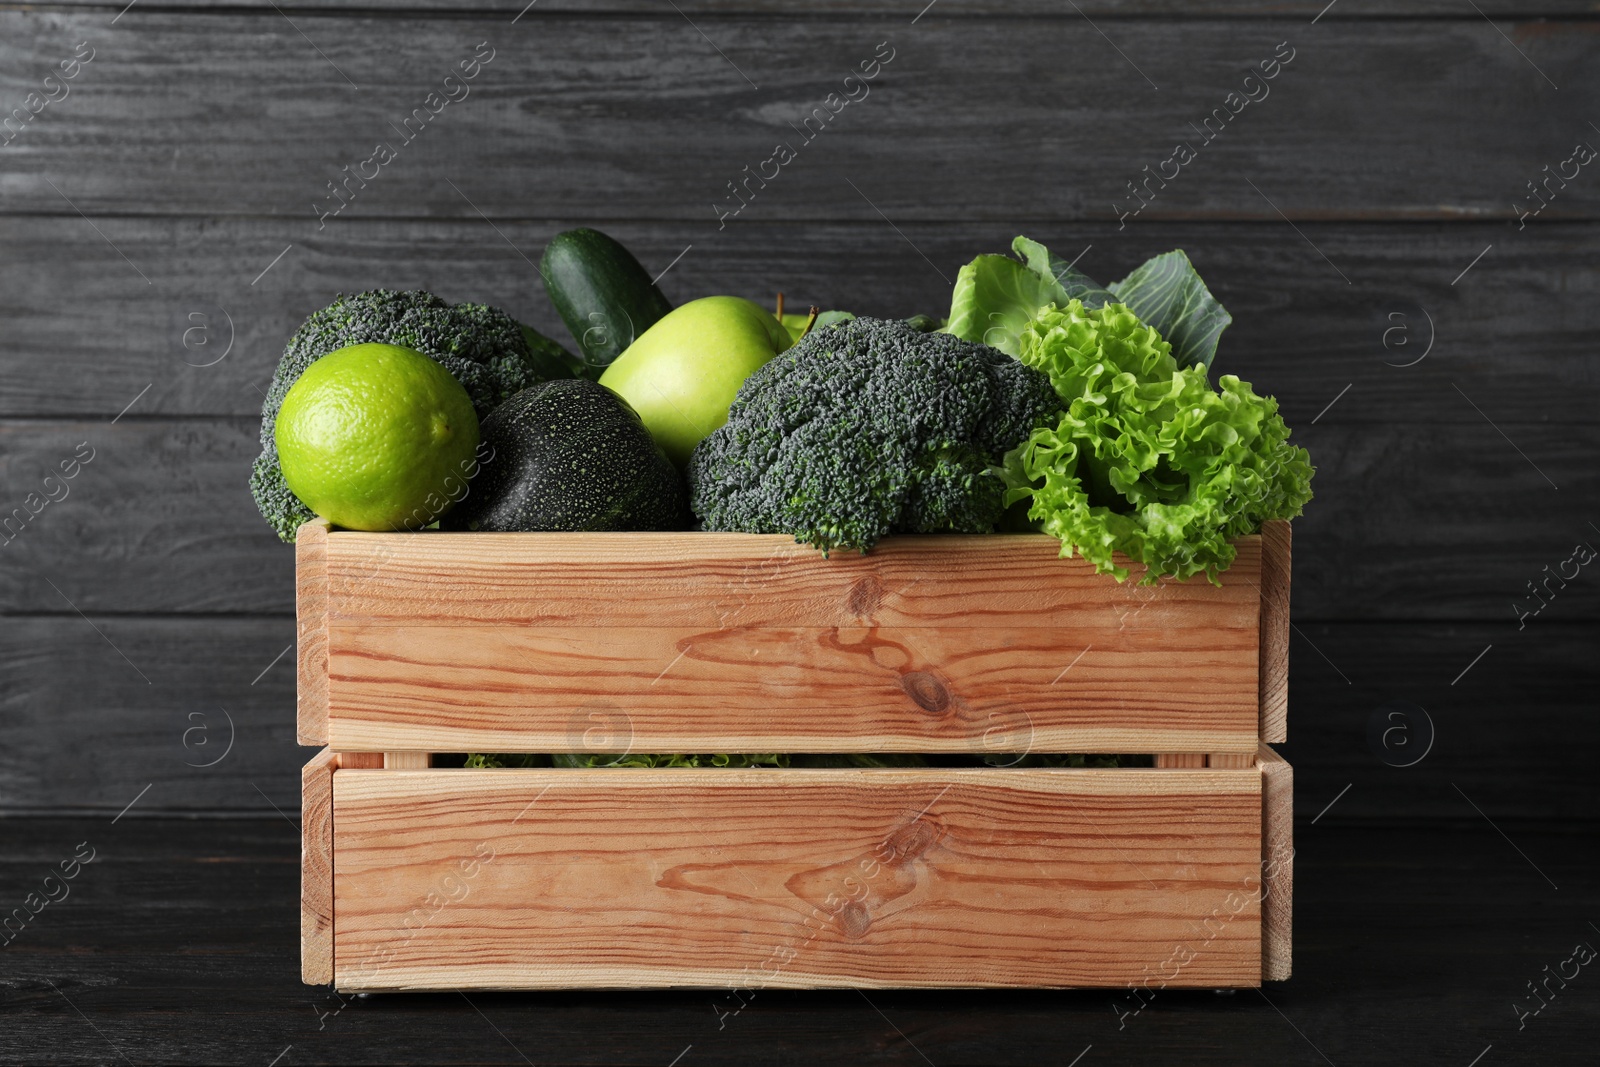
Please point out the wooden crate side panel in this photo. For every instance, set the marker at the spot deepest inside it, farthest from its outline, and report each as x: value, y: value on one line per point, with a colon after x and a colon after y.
x: 1277, y: 865
x: 706, y: 581
x: 1275, y: 566
x: 311, y: 633
x: 470, y: 686
x: 929, y: 878
x: 316, y: 868
x: 534, y: 643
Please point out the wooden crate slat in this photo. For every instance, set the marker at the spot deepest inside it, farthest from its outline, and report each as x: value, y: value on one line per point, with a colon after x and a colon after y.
x: 1276, y: 555
x: 1277, y: 865
x: 316, y: 868
x: 311, y: 633
x: 531, y: 879
x: 721, y: 580
x: 732, y: 642
x: 441, y: 687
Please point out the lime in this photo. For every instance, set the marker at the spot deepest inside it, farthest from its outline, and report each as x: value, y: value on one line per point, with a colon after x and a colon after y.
x: 377, y: 437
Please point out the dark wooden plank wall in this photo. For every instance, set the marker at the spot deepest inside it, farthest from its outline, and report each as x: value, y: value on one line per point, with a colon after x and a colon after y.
x: 147, y: 610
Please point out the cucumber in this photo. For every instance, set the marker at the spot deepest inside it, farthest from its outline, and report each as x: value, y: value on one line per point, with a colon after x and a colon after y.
x: 601, y: 292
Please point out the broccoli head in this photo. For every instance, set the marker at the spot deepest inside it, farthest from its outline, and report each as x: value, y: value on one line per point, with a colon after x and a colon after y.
x: 867, y: 428
x: 486, y: 350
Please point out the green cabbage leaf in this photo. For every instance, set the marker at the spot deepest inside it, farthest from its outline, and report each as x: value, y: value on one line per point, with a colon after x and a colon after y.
x: 1168, y: 296
x: 995, y: 299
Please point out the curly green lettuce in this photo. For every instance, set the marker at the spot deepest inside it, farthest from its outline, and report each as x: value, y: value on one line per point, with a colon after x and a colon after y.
x: 481, y: 760
x: 1148, y: 459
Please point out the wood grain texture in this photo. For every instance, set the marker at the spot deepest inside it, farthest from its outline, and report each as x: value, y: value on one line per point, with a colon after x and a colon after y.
x: 1230, y: 760
x: 1277, y: 865
x: 407, y: 761
x: 502, y: 10
x: 316, y: 868
x: 925, y: 878
x: 666, y: 642
x: 311, y: 633
x: 1273, y: 658
x: 87, y: 729
x: 1180, y: 760
x: 161, y: 520
x: 1538, y: 298
x: 590, y: 99
x: 732, y: 581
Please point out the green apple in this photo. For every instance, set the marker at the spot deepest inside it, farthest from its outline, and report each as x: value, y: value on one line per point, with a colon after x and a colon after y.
x: 681, y: 374
x: 798, y: 324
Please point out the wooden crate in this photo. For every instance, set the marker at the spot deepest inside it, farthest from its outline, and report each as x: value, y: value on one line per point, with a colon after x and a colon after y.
x: 421, y: 878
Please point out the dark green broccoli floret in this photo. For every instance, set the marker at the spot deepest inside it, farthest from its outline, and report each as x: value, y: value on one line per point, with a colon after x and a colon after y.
x: 867, y: 428
x: 486, y: 350
x: 279, y: 506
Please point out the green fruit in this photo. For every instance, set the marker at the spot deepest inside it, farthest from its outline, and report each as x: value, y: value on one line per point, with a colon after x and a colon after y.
x: 377, y: 437
x: 569, y: 455
x: 796, y: 325
x: 683, y: 373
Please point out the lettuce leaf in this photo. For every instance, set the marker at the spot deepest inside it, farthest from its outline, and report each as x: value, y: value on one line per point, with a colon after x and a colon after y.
x: 481, y: 760
x: 1148, y: 459
x: 996, y: 296
x: 646, y: 759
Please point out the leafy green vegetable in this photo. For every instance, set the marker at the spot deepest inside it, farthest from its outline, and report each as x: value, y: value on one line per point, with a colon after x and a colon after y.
x: 1148, y: 459
x: 1075, y: 285
x: 1074, y: 759
x: 876, y: 759
x: 1167, y: 294
x: 645, y: 759
x: 803, y: 760
x: 480, y: 760
x: 630, y: 759
x: 996, y: 297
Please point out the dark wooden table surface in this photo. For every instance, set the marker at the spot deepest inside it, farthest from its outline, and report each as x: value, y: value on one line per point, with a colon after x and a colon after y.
x: 1427, y: 318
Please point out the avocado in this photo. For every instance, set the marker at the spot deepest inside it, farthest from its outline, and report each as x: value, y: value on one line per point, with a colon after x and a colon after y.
x: 570, y: 455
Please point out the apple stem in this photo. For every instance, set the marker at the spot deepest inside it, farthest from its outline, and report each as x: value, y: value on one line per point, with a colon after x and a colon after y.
x: 779, y: 316
x: 812, y: 321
